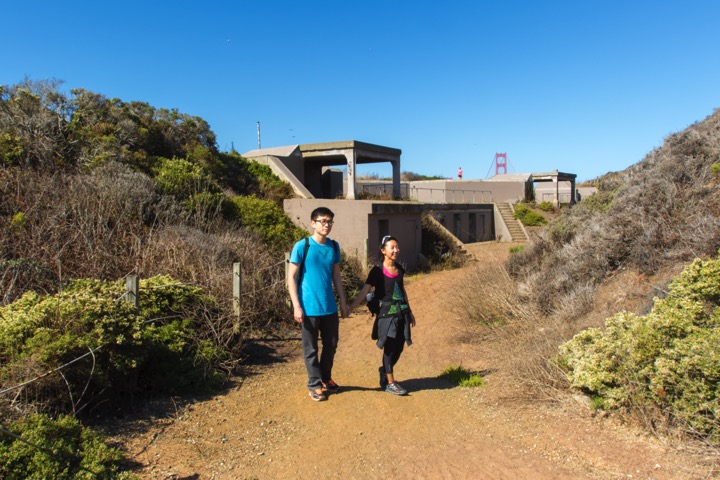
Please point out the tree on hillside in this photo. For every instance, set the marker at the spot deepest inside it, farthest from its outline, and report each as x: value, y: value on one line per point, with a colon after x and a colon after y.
x: 49, y: 129
x: 34, y: 120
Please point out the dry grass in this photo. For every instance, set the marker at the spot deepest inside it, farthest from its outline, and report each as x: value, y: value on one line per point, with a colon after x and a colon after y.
x: 526, y: 339
x: 112, y: 223
x: 614, y: 251
x: 664, y: 210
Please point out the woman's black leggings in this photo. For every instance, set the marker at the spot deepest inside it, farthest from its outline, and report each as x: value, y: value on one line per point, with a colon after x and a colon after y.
x: 391, y: 353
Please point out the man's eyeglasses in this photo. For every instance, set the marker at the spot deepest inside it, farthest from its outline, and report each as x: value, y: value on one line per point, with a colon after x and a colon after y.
x: 325, y: 222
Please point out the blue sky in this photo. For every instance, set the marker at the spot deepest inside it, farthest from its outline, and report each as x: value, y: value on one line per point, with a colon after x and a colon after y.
x: 580, y: 86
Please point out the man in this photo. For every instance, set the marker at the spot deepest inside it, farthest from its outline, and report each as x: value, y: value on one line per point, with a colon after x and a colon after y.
x: 314, y: 269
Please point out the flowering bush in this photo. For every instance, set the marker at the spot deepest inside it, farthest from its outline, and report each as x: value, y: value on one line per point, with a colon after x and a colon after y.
x: 669, y: 358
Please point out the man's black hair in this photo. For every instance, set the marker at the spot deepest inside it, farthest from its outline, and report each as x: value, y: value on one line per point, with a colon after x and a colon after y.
x: 321, y: 212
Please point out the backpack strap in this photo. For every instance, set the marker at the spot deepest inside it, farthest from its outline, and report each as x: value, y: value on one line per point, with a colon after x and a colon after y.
x: 302, y: 262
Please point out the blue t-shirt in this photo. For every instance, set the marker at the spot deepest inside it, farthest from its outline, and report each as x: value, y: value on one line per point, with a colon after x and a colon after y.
x: 315, y: 290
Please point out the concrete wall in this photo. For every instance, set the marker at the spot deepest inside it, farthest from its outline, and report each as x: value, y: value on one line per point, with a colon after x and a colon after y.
x: 360, y: 224
x: 467, y: 191
x: 469, y: 222
x: 546, y: 192
x: 406, y: 227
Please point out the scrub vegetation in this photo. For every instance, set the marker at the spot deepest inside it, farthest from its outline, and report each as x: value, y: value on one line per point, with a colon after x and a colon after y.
x: 595, y: 301
x: 93, y: 189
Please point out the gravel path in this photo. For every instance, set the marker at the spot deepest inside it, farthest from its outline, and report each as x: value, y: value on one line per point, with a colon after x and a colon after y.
x: 266, y: 427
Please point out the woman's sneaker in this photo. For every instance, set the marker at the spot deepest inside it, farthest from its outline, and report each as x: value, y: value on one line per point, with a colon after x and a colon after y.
x: 395, y: 388
x: 383, y: 378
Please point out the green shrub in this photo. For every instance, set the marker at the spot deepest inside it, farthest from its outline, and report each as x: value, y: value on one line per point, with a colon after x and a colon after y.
x: 19, y: 221
x: 598, y: 202
x: 528, y: 217
x: 266, y: 219
x: 61, y: 449
x: 154, y: 349
x: 11, y: 149
x: 271, y: 187
x: 248, y: 177
x: 262, y: 172
x: 546, y: 206
x: 461, y: 377
x: 182, y: 178
x: 715, y: 168
x: 412, y: 176
x: 668, y: 358
x: 517, y: 249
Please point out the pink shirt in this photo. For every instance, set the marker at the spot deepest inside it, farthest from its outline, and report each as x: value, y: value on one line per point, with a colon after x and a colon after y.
x: 388, y: 274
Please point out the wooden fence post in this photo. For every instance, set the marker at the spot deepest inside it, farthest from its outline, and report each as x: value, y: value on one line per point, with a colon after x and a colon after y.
x: 132, y: 290
x: 237, y: 288
x: 288, y: 301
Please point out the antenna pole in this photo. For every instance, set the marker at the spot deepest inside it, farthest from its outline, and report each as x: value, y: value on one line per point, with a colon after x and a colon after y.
x: 258, y: 129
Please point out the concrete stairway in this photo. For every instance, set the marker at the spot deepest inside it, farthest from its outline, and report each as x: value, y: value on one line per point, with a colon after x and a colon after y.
x: 517, y: 232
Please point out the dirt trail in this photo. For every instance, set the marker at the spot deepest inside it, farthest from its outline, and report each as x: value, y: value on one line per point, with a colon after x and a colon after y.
x: 266, y: 427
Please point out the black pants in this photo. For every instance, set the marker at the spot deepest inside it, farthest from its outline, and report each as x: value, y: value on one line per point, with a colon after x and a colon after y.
x: 391, y: 352
x: 320, y: 369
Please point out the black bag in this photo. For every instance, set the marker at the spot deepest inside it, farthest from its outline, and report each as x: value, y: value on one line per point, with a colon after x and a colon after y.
x: 374, y: 305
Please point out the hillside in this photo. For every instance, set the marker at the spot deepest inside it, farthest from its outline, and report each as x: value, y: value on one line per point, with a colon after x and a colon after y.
x: 656, y: 215
x: 600, y: 274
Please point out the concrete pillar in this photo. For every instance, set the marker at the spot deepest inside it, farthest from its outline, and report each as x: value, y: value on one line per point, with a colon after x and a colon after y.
x: 557, y: 191
x: 396, y: 179
x: 351, y: 184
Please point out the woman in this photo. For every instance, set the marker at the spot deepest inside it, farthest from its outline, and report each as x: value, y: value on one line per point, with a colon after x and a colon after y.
x: 392, y: 324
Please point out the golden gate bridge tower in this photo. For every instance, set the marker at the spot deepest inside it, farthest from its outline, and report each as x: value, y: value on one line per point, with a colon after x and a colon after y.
x: 501, y: 163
